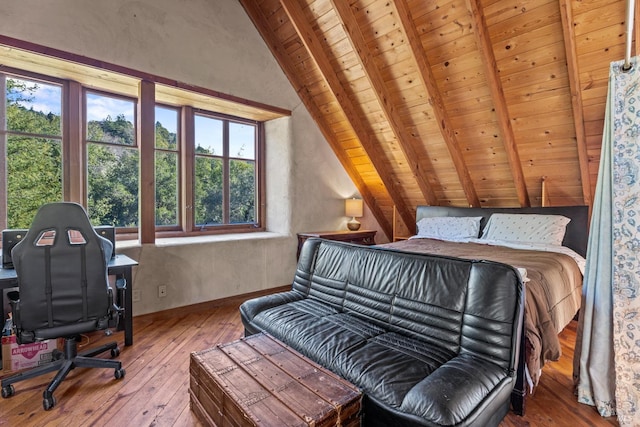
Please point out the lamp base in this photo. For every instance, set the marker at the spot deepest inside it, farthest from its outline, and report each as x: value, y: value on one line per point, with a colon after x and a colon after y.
x: 353, y: 224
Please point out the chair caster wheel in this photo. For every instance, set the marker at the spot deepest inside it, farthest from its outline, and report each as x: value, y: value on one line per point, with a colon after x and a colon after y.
x: 119, y: 373
x: 115, y: 352
x: 48, y: 403
x: 57, y: 354
x: 8, y: 391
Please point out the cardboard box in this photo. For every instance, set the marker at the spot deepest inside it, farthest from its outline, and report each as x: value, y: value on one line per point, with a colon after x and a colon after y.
x: 17, y: 357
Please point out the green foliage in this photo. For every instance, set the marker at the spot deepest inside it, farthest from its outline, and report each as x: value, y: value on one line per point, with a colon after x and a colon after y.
x: 208, y: 191
x: 166, y: 188
x: 34, y: 177
x: 118, y: 131
x: 165, y: 139
x: 242, y: 181
x: 34, y: 166
x: 113, y: 185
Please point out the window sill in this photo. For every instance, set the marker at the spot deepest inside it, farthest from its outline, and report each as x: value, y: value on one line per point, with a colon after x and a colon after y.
x: 210, y: 238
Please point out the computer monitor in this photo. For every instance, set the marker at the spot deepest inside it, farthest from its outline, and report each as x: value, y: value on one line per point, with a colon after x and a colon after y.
x: 11, y: 237
x: 109, y: 233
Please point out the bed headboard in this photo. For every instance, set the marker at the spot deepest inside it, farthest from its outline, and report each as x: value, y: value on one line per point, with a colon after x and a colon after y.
x: 575, y: 238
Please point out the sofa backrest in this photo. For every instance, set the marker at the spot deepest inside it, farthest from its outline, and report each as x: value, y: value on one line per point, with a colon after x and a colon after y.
x: 458, y: 305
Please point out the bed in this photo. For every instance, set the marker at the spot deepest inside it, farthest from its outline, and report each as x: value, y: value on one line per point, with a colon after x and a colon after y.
x: 528, y: 239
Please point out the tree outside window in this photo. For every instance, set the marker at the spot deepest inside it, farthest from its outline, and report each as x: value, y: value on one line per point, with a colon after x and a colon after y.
x: 220, y: 155
x: 112, y: 160
x: 33, y: 141
x: 167, y: 166
x: 225, y: 172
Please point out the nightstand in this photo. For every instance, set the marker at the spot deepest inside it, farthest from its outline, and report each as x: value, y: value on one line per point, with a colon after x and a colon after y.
x: 360, y: 237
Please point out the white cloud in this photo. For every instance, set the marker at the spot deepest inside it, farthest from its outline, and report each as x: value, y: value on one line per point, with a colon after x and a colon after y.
x: 46, y: 98
x: 100, y: 107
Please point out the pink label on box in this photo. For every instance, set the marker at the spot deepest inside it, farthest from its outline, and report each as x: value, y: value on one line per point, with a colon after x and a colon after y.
x: 29, y: 351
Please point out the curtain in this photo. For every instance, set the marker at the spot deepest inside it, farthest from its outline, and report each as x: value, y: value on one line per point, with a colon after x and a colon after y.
x: 607, y: 353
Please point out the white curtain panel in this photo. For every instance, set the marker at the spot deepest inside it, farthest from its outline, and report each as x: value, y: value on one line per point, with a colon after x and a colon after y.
x: 607, y: 355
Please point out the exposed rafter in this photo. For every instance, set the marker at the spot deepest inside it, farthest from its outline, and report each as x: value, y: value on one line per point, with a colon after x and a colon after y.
x: 457, y: 103
x: 497, y: 94
x: 576, y: 98
x: 431, y: 87
x: 351, y: 110
x: 386, y: 100
x: 259, y: 20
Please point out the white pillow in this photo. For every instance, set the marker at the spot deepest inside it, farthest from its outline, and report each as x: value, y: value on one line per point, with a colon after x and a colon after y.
x: 449, y: 227
x: 532, y: 228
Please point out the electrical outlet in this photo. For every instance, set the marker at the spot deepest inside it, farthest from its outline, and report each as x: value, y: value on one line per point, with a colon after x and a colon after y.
x: 135, y: 295
x: 162, y: 291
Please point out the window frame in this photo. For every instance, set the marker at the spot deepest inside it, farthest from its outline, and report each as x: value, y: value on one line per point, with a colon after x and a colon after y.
x: 226, y: 159
x: 179, y: 153
x: 9, y: 72
x: 85, y: 141
x: 75, y: 142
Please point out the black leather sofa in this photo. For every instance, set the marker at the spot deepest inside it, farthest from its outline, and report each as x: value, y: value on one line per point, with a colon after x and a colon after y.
x: 430, y: 340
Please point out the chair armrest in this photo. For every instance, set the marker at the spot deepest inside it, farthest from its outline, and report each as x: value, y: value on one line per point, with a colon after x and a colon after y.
x: 463, y: 385
x: 250, y: 308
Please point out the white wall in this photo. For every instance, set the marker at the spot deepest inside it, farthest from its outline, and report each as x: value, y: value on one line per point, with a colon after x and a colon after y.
x: 213, y: 44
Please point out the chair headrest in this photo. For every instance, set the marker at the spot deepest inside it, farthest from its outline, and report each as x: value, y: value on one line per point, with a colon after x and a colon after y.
x: 62, y: 220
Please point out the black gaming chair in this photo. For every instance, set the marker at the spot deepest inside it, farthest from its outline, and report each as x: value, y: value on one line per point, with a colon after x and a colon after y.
x: 61, y: 266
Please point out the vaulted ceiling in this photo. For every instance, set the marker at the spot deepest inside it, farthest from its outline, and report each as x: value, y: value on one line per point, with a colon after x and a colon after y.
x: 453, y: 102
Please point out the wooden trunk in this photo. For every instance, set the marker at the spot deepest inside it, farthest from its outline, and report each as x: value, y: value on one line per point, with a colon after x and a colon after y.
x: 259, y: 381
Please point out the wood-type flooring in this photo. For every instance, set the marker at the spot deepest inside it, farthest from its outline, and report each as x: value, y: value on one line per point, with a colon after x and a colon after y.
x: 154, y: 391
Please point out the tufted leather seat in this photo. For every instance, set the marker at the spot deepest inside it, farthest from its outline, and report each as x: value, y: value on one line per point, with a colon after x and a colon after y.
x: 430, y: 340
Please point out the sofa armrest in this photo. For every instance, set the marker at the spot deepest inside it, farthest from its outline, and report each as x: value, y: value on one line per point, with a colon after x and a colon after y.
x: 464, y: 391
x: 250, y: 308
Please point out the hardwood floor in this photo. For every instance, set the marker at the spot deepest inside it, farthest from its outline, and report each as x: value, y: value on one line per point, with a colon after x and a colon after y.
x: 154, y: 391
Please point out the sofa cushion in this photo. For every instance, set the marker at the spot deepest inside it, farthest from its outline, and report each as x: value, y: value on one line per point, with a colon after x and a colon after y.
x: 315, y: 329
x: 330, y: 269
x: 389, y: 365
x: 463, y: 389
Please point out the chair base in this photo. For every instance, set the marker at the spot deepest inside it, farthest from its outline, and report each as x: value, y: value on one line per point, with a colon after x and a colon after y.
x: 65, y: 362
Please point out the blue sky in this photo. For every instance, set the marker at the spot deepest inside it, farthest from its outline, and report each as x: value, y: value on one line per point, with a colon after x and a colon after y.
x: 208, y: 134
x: 47, y: 98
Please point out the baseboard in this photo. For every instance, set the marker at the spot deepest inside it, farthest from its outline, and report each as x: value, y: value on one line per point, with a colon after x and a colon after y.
x: 208, y: 305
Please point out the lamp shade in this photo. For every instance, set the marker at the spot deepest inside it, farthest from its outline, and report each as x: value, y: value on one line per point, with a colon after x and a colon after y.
x: 353, y: 207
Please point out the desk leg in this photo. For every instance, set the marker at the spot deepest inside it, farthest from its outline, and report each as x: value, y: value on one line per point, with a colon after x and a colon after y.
x: 128, y: 308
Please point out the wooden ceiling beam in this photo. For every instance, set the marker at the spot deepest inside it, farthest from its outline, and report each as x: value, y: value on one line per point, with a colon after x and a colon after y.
x: 576, y: 97
x: 351, y: 111
x: 279, y: 51
x: 385, y: 99
x: 436, y: 101
x: 485, y: 47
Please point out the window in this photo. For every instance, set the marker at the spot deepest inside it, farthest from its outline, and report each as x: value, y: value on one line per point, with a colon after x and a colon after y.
x: 112, y: 160
x: 209, y: 155
x: 242, y: 173
x: 167, y: 166
x: 225, y: 171
x: 150, y: 156
x: 31, y: 137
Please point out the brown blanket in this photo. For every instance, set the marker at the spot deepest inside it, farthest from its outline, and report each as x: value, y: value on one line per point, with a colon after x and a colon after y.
x: 553, y: 290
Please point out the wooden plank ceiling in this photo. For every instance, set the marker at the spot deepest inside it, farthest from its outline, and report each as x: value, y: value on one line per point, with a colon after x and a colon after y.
x: 453, y: 102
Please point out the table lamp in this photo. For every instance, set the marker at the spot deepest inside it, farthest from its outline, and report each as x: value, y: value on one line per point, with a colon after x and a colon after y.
x: 353, y: 208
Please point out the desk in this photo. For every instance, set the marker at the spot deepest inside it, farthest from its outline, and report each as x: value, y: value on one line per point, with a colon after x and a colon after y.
x: 121, y: 265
